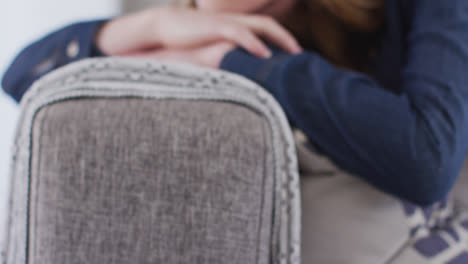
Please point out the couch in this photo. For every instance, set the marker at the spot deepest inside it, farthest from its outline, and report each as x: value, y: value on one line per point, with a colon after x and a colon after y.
x: 136, y: 161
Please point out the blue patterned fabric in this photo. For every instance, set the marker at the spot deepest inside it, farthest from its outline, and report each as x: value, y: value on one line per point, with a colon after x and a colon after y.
x: 439, y: 233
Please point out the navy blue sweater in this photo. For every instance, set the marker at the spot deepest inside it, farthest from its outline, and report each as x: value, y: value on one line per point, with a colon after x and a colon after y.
x: 403, y: 128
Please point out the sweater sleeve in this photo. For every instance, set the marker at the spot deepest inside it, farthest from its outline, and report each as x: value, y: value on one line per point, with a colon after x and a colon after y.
x: 59, y: 48
x: 410, y: 144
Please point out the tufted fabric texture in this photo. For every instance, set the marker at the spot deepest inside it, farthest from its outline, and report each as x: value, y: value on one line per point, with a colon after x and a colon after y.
x: 125, y: 161
x: 135, y: 181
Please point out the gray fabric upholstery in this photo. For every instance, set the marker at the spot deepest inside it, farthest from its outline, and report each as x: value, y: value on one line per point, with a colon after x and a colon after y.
x: 129, y: 161
x: 347, y: 221
x: 139, y: 181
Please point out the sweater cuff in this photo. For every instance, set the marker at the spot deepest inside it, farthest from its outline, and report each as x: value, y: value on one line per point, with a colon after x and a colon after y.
x: 59, y: 48
x: 257, y: 69
x: 87, y: 44
x: 240, y: 62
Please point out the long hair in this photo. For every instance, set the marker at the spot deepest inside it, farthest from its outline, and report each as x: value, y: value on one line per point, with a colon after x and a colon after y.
x: 343, y: 31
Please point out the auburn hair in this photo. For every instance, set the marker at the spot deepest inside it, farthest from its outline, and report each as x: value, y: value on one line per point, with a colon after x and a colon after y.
x: 343, y: 31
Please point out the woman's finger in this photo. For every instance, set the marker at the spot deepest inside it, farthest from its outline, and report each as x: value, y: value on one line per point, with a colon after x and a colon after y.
x: 245, y: 38
x: 270, y: 29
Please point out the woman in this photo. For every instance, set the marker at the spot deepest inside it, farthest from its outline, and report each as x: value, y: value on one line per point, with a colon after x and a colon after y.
x: 385, y: 99
x: 387, y: 102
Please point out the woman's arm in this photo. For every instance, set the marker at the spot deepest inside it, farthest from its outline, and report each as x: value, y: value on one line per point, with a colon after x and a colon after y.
x: 411, y: 144
x: 61, y: 47
x: 145, y: 32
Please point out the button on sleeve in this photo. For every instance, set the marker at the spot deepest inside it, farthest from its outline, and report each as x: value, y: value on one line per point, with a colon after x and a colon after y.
x: 59, y: 48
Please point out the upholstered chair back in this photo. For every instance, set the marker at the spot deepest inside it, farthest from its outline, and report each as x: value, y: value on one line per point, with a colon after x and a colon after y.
x: 133, y: 161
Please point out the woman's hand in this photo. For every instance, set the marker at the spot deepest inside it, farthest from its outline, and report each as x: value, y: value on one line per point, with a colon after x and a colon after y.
x: 209, y: 55
x: 186, y: 29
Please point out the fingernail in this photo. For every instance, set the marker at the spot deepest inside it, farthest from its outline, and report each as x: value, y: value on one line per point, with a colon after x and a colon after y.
x: 298, y: 49
x: 267, y: 54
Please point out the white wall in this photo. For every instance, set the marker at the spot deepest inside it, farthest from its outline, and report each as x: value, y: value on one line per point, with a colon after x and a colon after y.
x: 22, y: 21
